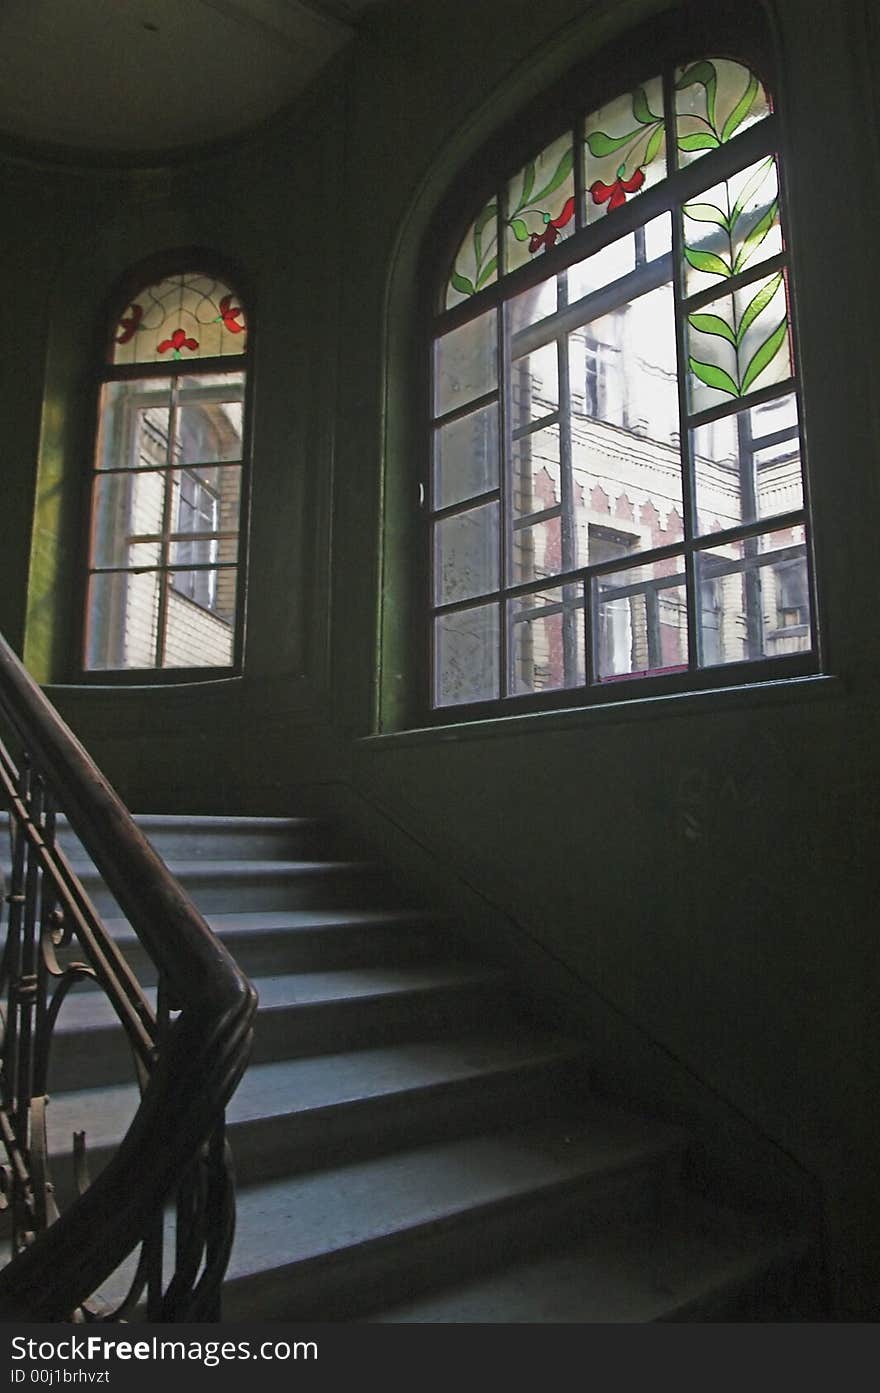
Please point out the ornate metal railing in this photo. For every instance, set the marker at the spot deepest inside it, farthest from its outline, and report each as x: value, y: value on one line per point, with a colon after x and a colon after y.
x: 159, y: 1217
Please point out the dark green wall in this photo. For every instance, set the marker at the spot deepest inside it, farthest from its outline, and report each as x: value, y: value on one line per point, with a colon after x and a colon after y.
x: 703, y: 865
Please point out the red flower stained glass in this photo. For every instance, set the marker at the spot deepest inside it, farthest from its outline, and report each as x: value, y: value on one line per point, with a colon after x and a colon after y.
x: 615, y: 194
x: 178, y: 341
x: 229, y: 314
x: 130, y: 323
x: 549, y: 236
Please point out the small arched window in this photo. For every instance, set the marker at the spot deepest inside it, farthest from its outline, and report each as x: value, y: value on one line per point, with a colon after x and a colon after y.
x: 615, y: 487
x: 163, y: 587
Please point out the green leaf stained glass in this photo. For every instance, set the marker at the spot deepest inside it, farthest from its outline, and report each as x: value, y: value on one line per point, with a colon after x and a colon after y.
x: 624, y: 148
x: 715, y: 100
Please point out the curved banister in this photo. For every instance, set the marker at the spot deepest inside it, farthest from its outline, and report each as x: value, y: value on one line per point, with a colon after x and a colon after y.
x: 200, y: 1055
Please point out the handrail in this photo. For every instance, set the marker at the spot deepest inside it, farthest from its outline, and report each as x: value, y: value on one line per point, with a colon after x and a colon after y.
x: 188, y: 1063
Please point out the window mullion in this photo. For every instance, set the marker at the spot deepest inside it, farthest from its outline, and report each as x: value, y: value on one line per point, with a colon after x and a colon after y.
x: 688, y: 487
x: 167, y: 529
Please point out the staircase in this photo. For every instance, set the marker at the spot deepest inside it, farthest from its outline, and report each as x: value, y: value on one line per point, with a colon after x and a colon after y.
x: 412, y: 1143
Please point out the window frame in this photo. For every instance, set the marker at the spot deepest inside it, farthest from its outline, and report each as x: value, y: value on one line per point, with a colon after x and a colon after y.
x: 184, y: 261
x: 675, y: 39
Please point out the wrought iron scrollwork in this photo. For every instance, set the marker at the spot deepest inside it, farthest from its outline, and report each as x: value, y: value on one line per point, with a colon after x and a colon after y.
x: 165, y: 1202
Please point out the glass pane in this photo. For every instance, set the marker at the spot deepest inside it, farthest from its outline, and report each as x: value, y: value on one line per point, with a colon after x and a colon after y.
x: 739, y: 343
x: 534, y: 386
x: 465, y: 363
x: 532, y: 305
x: 540, y: 202
x: 180, y: 318
x: 121, y: 621
x: 739, y: 479
x: 547, y: 641
x: 535, y: 471
x: 208, y: 431
x: 625, y: 149
x: 754, y: 599
x: 536, y: 551
x: 716, y: 100
x: 466, y: 656
x: 626, y: 462
x: 476, y: 261
x: 466, y: 554
x: 127, y: 518
x: 466, y: 457
x: 732, y: 227
x: 198, y: 624
x: 134, y: 420
x: 640, y: 621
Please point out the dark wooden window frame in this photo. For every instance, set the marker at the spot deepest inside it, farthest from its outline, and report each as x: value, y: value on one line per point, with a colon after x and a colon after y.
x: 691, y: 32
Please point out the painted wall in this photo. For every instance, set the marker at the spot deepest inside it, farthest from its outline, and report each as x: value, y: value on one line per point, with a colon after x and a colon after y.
x: 704, y: 865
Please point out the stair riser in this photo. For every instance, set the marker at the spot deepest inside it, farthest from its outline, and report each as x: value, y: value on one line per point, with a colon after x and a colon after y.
x: 216, y: 892
x: 101, y: 1056
x: 351, y: 1283
x: 268, y: 1148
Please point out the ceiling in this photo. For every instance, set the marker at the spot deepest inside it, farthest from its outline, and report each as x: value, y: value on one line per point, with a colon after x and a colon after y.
x: 122, y: 77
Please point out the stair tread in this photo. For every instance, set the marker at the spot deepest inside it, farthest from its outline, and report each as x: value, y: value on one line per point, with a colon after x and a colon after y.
x: 632, y: 1271
x: 244, y: 868
x: 297, y: 1086
x: 322, y: 1212
x: 90, y: 1009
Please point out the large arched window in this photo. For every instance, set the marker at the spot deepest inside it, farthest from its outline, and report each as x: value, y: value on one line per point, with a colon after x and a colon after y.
x: 615, y: 487
x: 163, y: 587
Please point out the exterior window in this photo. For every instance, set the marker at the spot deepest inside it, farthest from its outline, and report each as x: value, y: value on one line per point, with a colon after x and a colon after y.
x: 616, y: 487
x: 163, y: 583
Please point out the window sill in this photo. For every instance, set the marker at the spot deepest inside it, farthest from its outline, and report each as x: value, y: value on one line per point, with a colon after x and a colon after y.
x: 685, y: 704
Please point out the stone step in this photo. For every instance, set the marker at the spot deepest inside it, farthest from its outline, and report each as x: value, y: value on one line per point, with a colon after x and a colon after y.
x: 267, y: 941
x: 300, y: 1014
x: 290, y: 1115
x: 693, y: 1263
x: 218, y: 838
x: 336, y: 1243
x: 238, y: 886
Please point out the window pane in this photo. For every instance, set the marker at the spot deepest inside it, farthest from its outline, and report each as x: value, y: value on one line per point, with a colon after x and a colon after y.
x: 625, y: 149
x: 127, y: 514
x: 134, y: 424
x: 536, y: 551
x: 466, y: 457
x: 732, y: 227
x: 198, y: 624
x: 466, y: 554
x: 466, y: 656
x: 535, y: 473
x: 547, y: 641
x: 208, y: 431
x: 640, y: 621
x: 716, y: 100
x: 534, y: 386
x: 739, y: 343
x: 540, y: 203
x: 618, y: 259
x: 121, y: 621
x: 476, y: 261
x: 531, y: 306
x: 626, y: 461
x: 739, y: 479
x: 754, y: 599
x: 465, y: 364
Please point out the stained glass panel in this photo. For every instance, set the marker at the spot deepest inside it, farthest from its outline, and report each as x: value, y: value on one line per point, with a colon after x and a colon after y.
x: 716, y: 99
x: 739, y: 343
x: 476, y: 261
x: 732, y: 227
x: 178, y: 319
x: 625, y: 149
x: 540, y: 203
